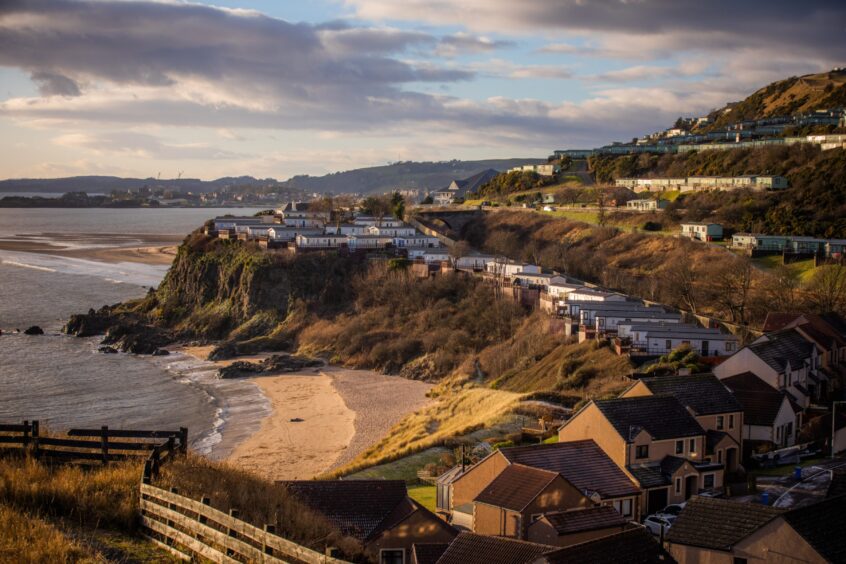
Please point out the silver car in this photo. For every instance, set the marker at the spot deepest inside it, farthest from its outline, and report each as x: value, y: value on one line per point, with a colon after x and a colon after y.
x: 656, y: 523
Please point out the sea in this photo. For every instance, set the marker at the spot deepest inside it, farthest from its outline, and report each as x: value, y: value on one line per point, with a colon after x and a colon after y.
x: 63, y: 381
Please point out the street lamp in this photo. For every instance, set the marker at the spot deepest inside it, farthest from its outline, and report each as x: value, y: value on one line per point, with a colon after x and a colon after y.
x: 834, y: 423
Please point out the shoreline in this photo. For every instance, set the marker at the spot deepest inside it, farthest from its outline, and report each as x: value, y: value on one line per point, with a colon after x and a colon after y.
x: 320, y: 419
x: 153, y: 251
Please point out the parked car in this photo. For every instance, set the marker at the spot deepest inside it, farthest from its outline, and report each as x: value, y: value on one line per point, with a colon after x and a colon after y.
x: 673, y: 509
x: 659, y: 524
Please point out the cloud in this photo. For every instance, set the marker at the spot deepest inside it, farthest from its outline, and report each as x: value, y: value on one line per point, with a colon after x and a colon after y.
x: 54, y: 84
x: 462, y: 42
x: 142, y: 145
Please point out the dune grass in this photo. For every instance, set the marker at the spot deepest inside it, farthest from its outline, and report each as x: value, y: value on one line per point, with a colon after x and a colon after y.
x: 27, y: 538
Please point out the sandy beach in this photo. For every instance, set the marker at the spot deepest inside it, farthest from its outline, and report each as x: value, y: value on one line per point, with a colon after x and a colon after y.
x: 321, y: 418
x: 108, y: 248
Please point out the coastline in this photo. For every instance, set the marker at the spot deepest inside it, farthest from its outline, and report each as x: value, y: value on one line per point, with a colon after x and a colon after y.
x: 320, y: 419
x: 107, y: 250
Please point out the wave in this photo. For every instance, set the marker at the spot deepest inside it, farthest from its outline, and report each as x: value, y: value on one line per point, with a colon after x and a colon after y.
x: 25, y: 265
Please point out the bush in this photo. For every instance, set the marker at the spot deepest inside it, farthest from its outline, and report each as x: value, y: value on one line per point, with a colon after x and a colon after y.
x: 651, y: 226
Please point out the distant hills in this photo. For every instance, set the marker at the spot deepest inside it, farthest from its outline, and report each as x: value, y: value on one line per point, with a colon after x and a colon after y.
x: 402, y: 175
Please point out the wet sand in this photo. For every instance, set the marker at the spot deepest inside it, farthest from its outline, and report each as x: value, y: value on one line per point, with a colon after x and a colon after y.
x: 108, y: 248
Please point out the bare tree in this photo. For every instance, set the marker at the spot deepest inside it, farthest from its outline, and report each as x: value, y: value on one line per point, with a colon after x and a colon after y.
x: 680, y: 280
x: 783, y: 291
x: 731, y: 286
x: 601, y: 205
x: 827, y: 289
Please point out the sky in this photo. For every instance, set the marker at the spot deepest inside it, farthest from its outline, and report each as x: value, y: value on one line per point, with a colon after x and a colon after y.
x: 275, y: 88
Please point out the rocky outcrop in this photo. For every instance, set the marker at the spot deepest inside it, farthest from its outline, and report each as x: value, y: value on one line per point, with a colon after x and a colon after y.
x: 34, y: 330
x: 276, y: 364
x: 137, y: 338
x: 105, y: 349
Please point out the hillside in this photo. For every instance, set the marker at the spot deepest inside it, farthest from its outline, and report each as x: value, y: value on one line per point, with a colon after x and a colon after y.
x: 786, y: 97
x: 402, y: 175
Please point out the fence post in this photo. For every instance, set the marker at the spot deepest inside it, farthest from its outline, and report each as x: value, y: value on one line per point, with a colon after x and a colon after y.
x: 234, y: 513
x: 147, y: 477
x: 268, y: 530
x: 183, y: 440
x: 104, y: 442
x: 35, y: 432
x: 205, y: 500
x: 26, y: 434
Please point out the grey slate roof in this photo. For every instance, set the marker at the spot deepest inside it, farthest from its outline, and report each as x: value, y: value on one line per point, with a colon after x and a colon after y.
x: 718, y: 523
x: 822, y: 525
x: 661, y: 415
x: 427, y: 553
x: 761, y: 402
x: 635, y: 546
x: 649, y: 475
x: 703, y: 393
x: 589, y: 519
x: 582, y: 463
x: 516, y: 487
x: 783, y: 347
x: 470, y: 548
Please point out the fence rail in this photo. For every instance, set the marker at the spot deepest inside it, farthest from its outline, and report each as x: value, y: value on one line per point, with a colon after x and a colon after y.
x: 189, y: 528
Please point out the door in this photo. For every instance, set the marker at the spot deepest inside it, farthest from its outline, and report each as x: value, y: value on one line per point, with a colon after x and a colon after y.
x: 656, y: 500
x: 731, y: 459
x: 691, y: 486
x: 705, y: 348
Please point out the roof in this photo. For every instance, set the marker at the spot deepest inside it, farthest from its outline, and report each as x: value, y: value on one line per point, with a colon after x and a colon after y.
x: 822, y: 525
x: 760, y: 401
x: 582, y: 463
x: 451, y: 475
x: 516, y: 487
x: 589, y: 519
x: 823, y: 329
x: 661, y: 415
x: 782, y: 347
x: 470, y: 548
x: 718, y: 524
x: 427, y: 553
x: 356, y: 507
x: 649, y: 475
x: 703, y: 393
x: 681, y: 330
x: 635, y: 546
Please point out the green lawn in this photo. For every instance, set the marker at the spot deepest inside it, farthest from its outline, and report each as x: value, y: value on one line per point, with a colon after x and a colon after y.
x: 402, y: 469
x: 424, y: 495
x: 804, y: 268
x: 575, y: 215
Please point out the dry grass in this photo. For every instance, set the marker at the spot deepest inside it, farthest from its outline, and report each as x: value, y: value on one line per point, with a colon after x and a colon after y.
x: 259, y: 501
x: 100, y: 497
x: 26, y: 538
x: 459, y: 411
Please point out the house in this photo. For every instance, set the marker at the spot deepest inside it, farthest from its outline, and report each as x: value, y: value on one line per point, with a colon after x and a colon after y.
x: 470, y: 548
x: 282, y: 233
x: 370, y: 242
x: 561, y: 289
x: 582, y: 313
x: 565, y: 528
x: 716, y: 530
x: 474, y: 262
x: 756, y: 241
x: 608, y: 321
x: 713, y: 406
x: 659, y: 338
x: 647, y: 205
x: 540, y: 280
x: 510, y: 268
x: 231, y: 222
x: 378, y: 513
x: 368, y: 221
x: 581, y: 463
x: 593, y: 295
x: 458, y: 189
x: 302, y: 209
x: 348, y: 229
x: 322, y: 241
x: 702, y: 231
x: 416, y: 240
x: 769, y: 415
x: 539, y: 169
x: 784, y: 360
x: 655, y: 440
x: 303, y: 221
x: 518, y: 496
x: 429, y: 256
x: 427, y: 553
x: 633, y: 546
x: 392, y: 231
x: 827, y: 332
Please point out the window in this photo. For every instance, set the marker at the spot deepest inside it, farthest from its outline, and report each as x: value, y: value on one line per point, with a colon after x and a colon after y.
x: 642, y: 451
x: 729, y: 346
x: 720, y: 422
x: 623, y: 507
x: 731, y: 421
x: 669, y: 345
x: 719, y: 456
x: 678, y: 485
x: 692, y: 445
x: 738, y: 560
x: 679, y: 447
x: 392, y: 556
x: 788, y: 431
x: 708, y: 481
x: 778, y: 434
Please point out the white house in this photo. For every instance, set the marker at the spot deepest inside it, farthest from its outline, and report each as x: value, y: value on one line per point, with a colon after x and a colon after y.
x: 303, y: 221
x: 759, y: 242
x: 611, y: 321
x: 769, y: 415
x: 224, y: 223
x: 592, y: 295
x: 256, y: 231
x: 285, y: 233
x: 348, y: 229
x: 540, y: 279
x: 702, y: 231
x: 416, y: 240
x: 659, y: 339
x: 647, y: 205
x: 562, y: 289
x: 321, y: 241
x: 369, y: 242
x: 784, y: 360
x: 384, y: 222
x: 401, y: 231
x: 510, y: 268
x: 474, y: 262
x: 429, y: 255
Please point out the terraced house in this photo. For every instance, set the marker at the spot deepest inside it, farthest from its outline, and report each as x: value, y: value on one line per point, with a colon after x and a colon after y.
x: 655, y: 440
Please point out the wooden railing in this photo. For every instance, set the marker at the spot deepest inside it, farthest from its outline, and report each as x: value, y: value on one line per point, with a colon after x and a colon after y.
x: 189, y: 528
x: 94, y: 445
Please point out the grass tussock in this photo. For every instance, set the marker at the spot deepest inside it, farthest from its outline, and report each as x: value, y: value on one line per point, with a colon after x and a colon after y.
x: 27, y: 538
x: 259, y: 501
x: 99, y: 497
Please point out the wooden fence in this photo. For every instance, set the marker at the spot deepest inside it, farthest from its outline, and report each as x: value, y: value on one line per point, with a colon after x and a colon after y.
x: 95, y: 445
x: 189, y: 528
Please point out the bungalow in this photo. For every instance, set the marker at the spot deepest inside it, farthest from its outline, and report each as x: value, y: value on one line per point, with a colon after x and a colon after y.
x: 474, y: 262
x: 574, y: 526
x: 392, y: 231
x: 715, y: 408
x: 583, y: 313
x: 756, y: 241
x: 303, y: 222
x: 593, y: 295
x: 348, y: 229
x: 561, y: 290
x: 538, y: 279
x: 510, y: 268
x: 702, y: 231
x: 581, y: 464
x: 378, y: 513
x: 369, y: 242
x: 659, y: 339
x: 256, y: 231
x: 368, y: 221
x: 416, y: 240
x: 717, y: 530
x: 281, y: 233
x: 608, y: 321
x: 769, y: 415
x: 655, y: 440
x: 321, y: 241
x: 230, y: 222
x: 429, y: 255
x: 784, y: 360
x: 647, y: 205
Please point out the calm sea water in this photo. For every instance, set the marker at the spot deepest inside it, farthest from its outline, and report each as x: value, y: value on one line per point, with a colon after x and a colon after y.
x: 63, y: 381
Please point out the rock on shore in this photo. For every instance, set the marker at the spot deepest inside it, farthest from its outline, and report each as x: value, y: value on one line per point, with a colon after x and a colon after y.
x: 272, y: 365
x: 34, y: 330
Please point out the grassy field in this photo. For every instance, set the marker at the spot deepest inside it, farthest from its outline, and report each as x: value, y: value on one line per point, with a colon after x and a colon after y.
x: 404, y: 468
x: 424, y: 495
x: 575, y: 215
x: 803, y: 269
